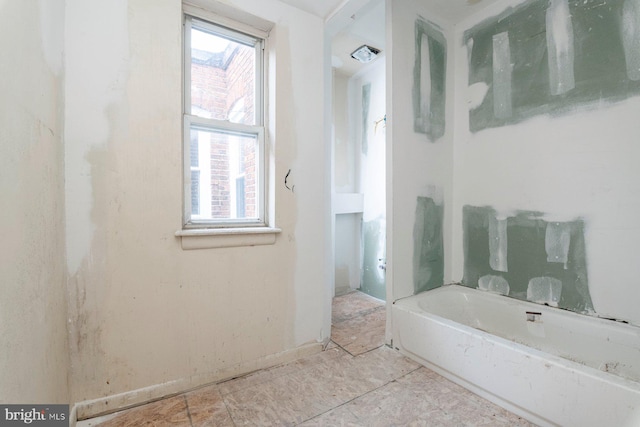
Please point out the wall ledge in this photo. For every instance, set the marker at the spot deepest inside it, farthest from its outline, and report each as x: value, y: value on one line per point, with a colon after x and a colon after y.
x: 207, y: 238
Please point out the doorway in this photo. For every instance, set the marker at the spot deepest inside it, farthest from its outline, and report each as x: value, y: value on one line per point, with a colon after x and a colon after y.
x: 359, y: 151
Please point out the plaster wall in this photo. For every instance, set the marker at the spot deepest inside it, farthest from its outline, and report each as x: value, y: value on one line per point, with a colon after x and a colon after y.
x: 144, y: 312
x: 420, y: 166
x: 579, y: 164
x: 34, y: 359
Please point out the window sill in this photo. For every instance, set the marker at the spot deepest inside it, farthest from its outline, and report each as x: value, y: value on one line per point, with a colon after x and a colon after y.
x: 205, y: 238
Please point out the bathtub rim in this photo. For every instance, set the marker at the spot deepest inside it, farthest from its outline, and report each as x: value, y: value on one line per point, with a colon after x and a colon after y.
x: 588, y: 315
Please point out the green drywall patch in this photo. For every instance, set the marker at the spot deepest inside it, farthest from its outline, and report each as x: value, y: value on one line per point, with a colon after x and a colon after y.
x: 428, y: 246
x: 374, y: 247
x: 536, y: 249
x: 429, y: 80
x: 565, y: 54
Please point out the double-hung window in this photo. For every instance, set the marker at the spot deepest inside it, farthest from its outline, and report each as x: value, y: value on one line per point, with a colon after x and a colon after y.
x: 224, y: 129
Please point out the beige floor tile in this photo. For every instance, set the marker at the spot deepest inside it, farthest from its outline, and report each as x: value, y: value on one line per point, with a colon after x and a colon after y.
x: 358, y: 382
x: 383, y: 364
x: 464, y: 407
x: 360, y: 334
x: 339, y: 417
x: 207, y: 409
x: 316, y: 388
x: 391, y: 404
x: 166, y: 412
x: 270, y: 374
x: 264, y: 405
x: 352, y: 305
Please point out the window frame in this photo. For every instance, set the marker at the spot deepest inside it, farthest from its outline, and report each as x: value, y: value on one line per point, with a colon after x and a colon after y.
x: 244, y: 34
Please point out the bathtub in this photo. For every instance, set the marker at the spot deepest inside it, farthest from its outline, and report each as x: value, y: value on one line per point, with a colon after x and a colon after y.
x: 550, y: 366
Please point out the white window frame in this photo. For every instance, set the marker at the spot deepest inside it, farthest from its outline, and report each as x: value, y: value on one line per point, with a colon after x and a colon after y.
x: 240, y: 33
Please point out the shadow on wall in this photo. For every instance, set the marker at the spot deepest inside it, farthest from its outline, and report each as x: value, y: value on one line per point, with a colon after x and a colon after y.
x: 525, y: 257
x: 550, y: 56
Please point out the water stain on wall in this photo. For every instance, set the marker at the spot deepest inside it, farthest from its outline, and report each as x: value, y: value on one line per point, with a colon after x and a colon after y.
x: 563, y: 54
x: 546, y: 261
x: 428, y: 246
x: 429, y: 80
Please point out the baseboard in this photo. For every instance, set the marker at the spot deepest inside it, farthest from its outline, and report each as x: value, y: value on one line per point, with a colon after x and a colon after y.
x: 118, y: 402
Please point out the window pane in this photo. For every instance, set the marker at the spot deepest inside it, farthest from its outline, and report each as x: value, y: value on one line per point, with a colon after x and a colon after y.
x: 223, y: 74
x: 194, y: 150
x: 195, y: 192
x: 228, y: 181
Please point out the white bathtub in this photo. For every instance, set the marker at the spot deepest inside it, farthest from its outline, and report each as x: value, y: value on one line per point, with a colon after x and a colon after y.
x: 551, y: 366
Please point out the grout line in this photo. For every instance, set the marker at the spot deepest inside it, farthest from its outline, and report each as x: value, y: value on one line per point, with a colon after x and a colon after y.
x: 365, y: 352
x: 224, y: 401
x: 358, y: 397
x: 186, y: 403
x: 342, y: 348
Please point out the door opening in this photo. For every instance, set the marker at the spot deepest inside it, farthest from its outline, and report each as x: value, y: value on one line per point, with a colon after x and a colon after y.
x: 359, y: 153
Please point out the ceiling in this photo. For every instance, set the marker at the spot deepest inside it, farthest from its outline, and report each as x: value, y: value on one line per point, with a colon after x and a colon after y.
x: 366, y: 26
x: 452, y: 10
x: 321, y: 8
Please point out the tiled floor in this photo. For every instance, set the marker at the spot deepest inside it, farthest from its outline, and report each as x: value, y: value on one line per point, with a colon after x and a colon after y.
x: 357, y: 381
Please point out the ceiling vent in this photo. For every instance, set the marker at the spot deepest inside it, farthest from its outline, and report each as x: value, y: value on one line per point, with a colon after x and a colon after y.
x: 365, y: 53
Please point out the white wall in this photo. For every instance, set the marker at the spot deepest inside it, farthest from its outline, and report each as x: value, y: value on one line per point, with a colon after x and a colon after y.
x: 578, y: 165
x: 419, y: 167
x: 346, y: 150
x: 346, y: 164
x: 145, y: 314
x: 34, y: 360
x: 372, y: 160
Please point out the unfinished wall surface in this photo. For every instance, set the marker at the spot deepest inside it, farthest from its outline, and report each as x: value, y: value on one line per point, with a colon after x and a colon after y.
x: 563, y: 157
x: 34, y: 360
x: 429, y: 80
x: 419, y: 152
x: 428, y: 245
x: 527, y: 257
x: 557, y: 55
x: 146, y: 315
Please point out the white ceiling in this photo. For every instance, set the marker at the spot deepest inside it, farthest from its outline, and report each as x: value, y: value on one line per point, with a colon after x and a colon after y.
x: 451, y: 10
x: 321, y: 8
x: 366, y: 26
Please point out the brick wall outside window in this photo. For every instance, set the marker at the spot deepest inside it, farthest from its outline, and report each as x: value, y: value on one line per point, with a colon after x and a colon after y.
x: 217, y: 88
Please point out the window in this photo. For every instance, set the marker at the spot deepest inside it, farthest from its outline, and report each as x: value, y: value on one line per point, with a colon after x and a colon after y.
x: 224, y: 130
